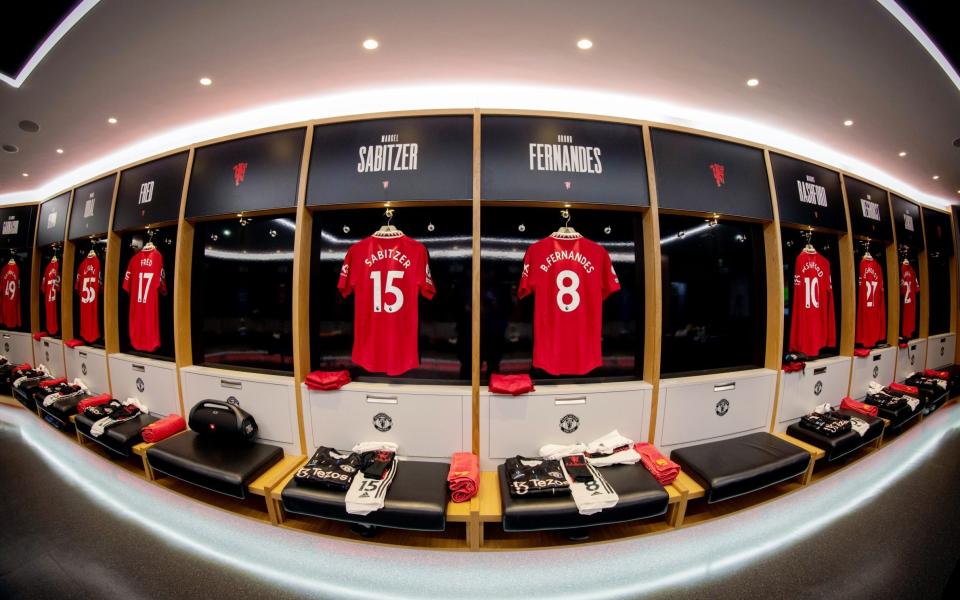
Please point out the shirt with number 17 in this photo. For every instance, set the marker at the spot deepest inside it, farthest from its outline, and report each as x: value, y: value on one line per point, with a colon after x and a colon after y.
x: 144, y: 281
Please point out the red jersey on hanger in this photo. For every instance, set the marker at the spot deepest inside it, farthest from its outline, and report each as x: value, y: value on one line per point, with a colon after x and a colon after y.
x: 812, y: 320
x: 144, y: 280
x: 88, y: 289
x: 386, y: 274
x: 10, y: 301
x: 50, y: 287
x: 871, y: 304
x: 909, y: 286
x: 570, y: 277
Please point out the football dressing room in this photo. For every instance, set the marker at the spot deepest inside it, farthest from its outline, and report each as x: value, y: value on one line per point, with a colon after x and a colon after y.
x: 479, y: 299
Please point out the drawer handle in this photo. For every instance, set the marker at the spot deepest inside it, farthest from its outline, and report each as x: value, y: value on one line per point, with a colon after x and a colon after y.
x: 819, y: 370
x: 46, y: 344
x: 943, y: 340
x: 139, y: 368
x: 82, y: 354
x: 580, y: 400
x: 877, y: 357
x: 382, y: 399
x: 6, y: 336
x: 725, y: 387
x: 234, y: 385
x: 913, y: 347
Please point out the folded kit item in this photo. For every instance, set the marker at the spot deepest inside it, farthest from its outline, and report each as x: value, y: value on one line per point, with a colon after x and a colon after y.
x: 860, y: 426
x: 906, y: 389
x: 828, y: 424
x: 367, y: 494
x: 510, y: 384
x: 902, y: 345
x: 375, y: 464
x: 50, y: 382
x: 463, y: 478
x: 576, y: 468
x: 662, y: 468
x: 329, y: 468
x: 937, y: 374
x: 822, y: 409
x: 884, y: 400
x: 38, y: 335
x: 861, y: 352
x: 73, y: 343
x: 794, y: 367
x: 93, y: 401
x: 62, y: 393
x: 31, y: 375
x: 113, y: 413
x: 622, y: 455
x: 591, y: 492
x: 874, y: 388
x: 558, y: 451
x: 327, y: 380
x: 535, y: 477
x: 368, y: 446
x: 849, y: 403
x: 913, y: 400
x: 932, y: 384
x: 162, y: 429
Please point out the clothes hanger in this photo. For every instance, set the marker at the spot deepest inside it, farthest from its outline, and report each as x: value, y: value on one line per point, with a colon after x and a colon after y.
x: 388, y: 230
x: 91, y: 253
x: 809, y: 249
x: 866, y: 251
x: 12, y: 261
x: 149, y: 245
x: 566, y: 232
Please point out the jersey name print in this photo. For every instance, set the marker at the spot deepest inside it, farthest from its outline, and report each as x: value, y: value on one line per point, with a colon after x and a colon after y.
x: 88, y: 291
x: 144, y: 281
x: 50, y: 288
x: 871, y: 304
x: 10, y: 300
x: 570, y: 278
x: 812, y: 320
x: 385, y: 275
x: 909, y: 286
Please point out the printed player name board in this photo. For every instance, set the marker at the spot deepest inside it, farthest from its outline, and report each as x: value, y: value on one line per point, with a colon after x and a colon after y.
x: 808, y: 194
x: 869, y: 210
x: 906, y: 219
x: 52, y: 220
x: 150, y: 193
x: 91, y: 208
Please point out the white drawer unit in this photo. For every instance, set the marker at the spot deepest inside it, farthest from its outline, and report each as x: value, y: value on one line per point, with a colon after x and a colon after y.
x: 89, y: 365
x: 560, y: 414
x: 879, y: 366
x: 911, y: 359
x: 270, y: 399
x: 824, y: 380
x: 693, y: 410
x: 426, y: 422
x: 941, y: 350
x: 152, y: 381
x: 17, y: 346
x: 49, y: 351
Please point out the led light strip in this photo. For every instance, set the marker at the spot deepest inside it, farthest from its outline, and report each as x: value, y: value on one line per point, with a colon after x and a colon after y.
x: 921, y: 36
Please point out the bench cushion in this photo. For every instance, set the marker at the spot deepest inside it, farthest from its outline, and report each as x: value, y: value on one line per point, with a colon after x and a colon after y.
x: 417, y: 499
x: 640, y: 496
x: 899, y: 417
x: 843, y: 444
x: 119, y: 439
x: 731, y: 468
x: 217, y: 464
x: 58, y: 414
x: 24, y: 395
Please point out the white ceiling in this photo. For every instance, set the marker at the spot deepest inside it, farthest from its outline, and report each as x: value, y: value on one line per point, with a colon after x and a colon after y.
x: 819, y: 62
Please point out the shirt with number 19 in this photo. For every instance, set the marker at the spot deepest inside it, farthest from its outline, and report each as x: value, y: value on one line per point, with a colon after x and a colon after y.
x: 144, y: 281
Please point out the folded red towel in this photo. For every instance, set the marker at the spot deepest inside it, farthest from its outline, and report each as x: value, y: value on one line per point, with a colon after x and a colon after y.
x: 73, y: 343
x: 23, y: 367
x: 93, y: 401
x: 937, y: 374
x: 48, y: 382
x: 906, y: 389
x: 327, y: 380
x: 862, y: 352
x: 794, y: 367
x: 849, y: 403
x: 162, y: 429
x: 510, y: 384
x: 38, y: 335
x: 464, y: 476
x: 663, y: 469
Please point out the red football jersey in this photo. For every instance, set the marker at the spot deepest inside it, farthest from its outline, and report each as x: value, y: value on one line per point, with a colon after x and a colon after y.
x: 50, y: 287
x: 871, y: 304
x: 570, y: 277
x: 813, y: 323
x: 909, y: 286
x: 10, y: 301
x: 385, y: 275
x: 88, y: 289
x: 147, y: 279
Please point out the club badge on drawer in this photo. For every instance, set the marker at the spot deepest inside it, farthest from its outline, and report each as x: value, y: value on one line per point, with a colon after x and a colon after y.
x: 383, y: 422
x: 722, y: 407
x: 569, y: 423
x: 818, y: 388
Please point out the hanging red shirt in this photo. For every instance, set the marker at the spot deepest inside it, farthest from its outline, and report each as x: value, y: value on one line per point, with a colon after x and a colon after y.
x: 570, y: 277
x: 871, y: 304
x: 50, y: 287
x: 10, y: 301
x: 386, y: 274
x: 88, y: 289
x: 144, y: 280
x: 909, y: 286
x: 813, y: 324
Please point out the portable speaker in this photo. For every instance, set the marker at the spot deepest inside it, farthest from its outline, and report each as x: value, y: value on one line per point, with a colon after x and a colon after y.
x: 213, y: 417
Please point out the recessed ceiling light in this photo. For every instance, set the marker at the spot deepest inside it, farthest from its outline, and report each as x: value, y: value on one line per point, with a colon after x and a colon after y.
x: 584, y: 44
x: 902, y: 154
x: 753, y: 82
x: 206, y: 81
x: 936, y: 177
x: 10, y: 148
x: 848, y: 123
x: 29, y: 126
x: 112, y: 120
x: 25, y: 174
x: 371, y: 44
x: 59, y: 150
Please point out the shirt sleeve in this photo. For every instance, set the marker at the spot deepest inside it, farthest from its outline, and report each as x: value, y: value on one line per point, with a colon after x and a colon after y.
x: 126, y: 278
x: 527, y: 282
x: 426, y: 286
x: 162, y: 287
x: 611, y: 283
x: 345, y: 284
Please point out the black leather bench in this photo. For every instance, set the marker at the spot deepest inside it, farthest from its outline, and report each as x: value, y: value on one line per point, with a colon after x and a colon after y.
x: 24, y: 394
x: 840, y: 445
x: 59, y: 412
x: 212, y: 462
x: 640, y: 497
x: 119, y: 439
x: 899, y: 417
x: 417, y: 499
x: 738, y: 466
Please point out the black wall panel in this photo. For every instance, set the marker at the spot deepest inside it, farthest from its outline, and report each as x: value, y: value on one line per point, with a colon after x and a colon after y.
x: 252, y: 173
x: 808, y: 194
x: 566, y: 160
x: 17, y: 226
x: 90, y: 214
x: 704, y: 175
x: 150, y: 193
x: 906, y: 220
x: 411, y: 158
x: 53, y: 220
x: 869, y: 210
x: 937, y: 230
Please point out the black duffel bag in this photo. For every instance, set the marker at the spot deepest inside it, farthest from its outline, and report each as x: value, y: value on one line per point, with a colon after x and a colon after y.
x: 213, y: 417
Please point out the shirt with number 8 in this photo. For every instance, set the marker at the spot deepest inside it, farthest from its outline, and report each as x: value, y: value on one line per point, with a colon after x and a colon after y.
x: 144, y: 280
